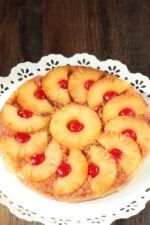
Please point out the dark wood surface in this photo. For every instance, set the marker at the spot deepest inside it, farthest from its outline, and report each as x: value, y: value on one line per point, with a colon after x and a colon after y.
x: 117, y: 29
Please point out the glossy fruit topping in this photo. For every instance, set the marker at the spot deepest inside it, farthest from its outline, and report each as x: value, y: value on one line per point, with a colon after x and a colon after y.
x: 93, y: 170
x: 116, y: 153
x: 22, y: 137
x: 63, y: 84
x: 127, y: 112
x: 75, y: 126
x: 63, y: 170
x: 40, y: 94
x: 109, y: 95
x: 130, y: 133
x: 24, y: 113
x: 88, y: 84
x: 37, y: 159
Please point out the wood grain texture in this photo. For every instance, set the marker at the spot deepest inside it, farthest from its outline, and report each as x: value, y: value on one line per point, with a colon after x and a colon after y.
x: 117, y: 29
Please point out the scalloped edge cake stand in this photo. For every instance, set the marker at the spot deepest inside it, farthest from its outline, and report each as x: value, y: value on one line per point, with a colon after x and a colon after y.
x: 129, y: 201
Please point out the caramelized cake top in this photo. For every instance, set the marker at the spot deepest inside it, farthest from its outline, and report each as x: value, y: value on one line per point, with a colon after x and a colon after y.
x: 75, y: 134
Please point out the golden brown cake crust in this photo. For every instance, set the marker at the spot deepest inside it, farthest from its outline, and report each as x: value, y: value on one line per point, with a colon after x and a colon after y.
x: 47, y: 187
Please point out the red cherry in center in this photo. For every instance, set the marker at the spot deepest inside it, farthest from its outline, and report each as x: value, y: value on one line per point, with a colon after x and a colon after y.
x: 22, y: 137
x: 109, y: 95
x: 130, y: 133
x: 116, y: 153
x: 37, y: 159
x: 63, y: 170
x: 88, y: 84
x: 24, y: 113
x: 40, y: 94
x: 63, y: 84
x: 127, y: 112
x: 75, y: 126
x: 93, y: 170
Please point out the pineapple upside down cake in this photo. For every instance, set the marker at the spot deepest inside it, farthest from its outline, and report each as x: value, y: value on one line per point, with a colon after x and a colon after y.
x: 75, y: 134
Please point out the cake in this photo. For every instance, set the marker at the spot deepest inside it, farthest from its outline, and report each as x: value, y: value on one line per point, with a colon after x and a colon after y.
x: 75, y: 134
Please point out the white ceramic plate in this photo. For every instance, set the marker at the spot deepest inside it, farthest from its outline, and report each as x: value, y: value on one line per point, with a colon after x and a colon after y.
x: 31, y: 206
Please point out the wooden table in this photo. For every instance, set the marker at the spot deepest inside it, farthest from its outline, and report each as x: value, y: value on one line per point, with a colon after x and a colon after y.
x: 117, y: 29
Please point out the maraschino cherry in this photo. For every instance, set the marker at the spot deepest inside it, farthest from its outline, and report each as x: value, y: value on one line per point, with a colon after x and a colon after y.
x: 63, y: 84
x: 116, y: 154
x: 93, y: 170
x: 75, y: 126
x: 24, y: 113
x: 130, y: 133
x: 37, y: 159
x: 88, y: 84
x: 127, y: 112
x: 63, y: 170
x: 109, y: 95
x: 22, y: 137
x: 40, y: 94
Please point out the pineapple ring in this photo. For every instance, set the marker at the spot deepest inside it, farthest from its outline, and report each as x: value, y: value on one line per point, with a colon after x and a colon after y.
x: 77, y: 176
x: 77, y: 80
x: 36, y: 144
x: 17, y: 123
x: 43, y: 171
x: 50, y: 85
x: 108, y: 170
x: 112, y: 108
x: 131, y: 156
x: 27, y: 99
x: 97, y: 91
x: 139, y: 126
x: 89, y: 118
